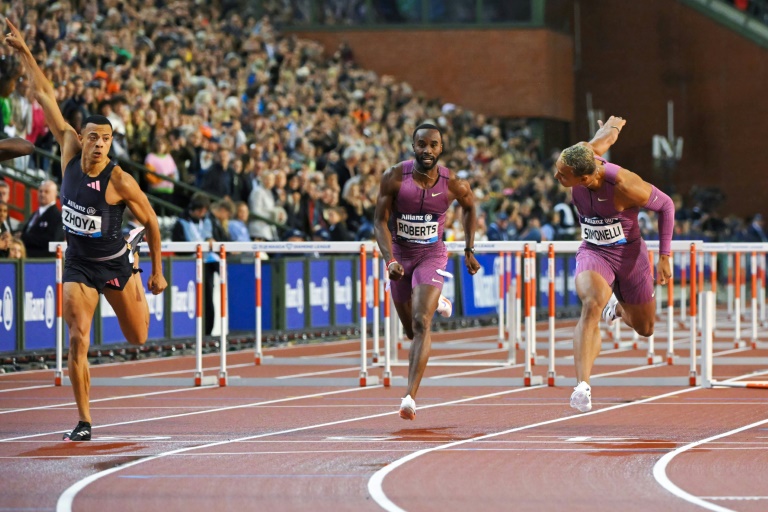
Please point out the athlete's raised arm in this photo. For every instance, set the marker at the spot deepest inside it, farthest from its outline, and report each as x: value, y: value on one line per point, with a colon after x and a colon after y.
x: 62, y: 131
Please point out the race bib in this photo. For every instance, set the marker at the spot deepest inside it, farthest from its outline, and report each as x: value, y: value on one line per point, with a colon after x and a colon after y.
x: 604, y: 232
x: 417, y: 229
x: 80, y: 223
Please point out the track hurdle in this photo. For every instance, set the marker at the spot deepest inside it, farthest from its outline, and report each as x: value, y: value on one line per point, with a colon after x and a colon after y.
x: 708, y: 379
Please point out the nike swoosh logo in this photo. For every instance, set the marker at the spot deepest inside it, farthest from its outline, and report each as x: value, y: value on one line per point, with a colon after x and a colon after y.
x: 436, y: 280
x: 435, y: 195
x: 602, y: 199
x: 655, y: 198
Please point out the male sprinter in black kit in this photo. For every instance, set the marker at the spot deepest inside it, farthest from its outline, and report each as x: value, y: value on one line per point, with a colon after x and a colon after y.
x: 94, y: 193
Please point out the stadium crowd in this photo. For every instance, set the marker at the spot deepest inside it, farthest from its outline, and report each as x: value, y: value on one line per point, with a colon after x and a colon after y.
x: 212, y: 95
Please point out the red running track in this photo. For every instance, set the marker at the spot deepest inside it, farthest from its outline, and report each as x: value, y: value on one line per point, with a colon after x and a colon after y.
x: 334, y: 448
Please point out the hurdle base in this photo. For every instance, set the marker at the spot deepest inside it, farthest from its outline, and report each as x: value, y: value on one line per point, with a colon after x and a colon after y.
x: 57, y: 378
x: 346, y: 382
x: 170, y: 382
x: 739, y: 384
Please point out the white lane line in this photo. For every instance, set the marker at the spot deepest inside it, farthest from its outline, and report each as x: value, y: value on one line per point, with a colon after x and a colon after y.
x: 193, y: 413
x: 69, y: 404
x: 660, y: 468
x: 64, y: 503
x: 375, y: 483
x: 190, y: 371
x: 324, y: 372
x: 25, y: 388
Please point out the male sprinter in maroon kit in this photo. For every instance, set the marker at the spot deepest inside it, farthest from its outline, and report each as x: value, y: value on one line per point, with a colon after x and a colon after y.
x: 410, y: 215
x: 612, y: 256
x: 94, y: 194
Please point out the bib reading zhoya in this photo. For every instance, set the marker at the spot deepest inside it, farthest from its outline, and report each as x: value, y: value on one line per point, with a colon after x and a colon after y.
x: 417, y: 228
x: 604, y: 232
x: 80, y: 223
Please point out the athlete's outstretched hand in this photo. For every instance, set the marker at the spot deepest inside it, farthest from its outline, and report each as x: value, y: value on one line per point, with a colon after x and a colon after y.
x: 396, y: 271
x: 614, y: 122
x: 663, y: 269
x: 472, y: 264
x: 156, y: 283
x: 14, y: 39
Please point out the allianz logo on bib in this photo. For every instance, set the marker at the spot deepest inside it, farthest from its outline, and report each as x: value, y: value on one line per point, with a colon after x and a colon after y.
x: 6, y: 309
x: 39, y: 309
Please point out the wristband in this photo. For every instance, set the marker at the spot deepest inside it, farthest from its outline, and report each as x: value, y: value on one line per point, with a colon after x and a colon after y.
x: 390, y: 262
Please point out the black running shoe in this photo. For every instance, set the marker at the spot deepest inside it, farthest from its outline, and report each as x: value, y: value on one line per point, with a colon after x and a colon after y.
x: 135, y: 237
x: 82, y: 432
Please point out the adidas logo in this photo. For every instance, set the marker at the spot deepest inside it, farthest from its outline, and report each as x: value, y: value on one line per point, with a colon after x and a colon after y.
x: 96, y: 185
x: 83, y: 433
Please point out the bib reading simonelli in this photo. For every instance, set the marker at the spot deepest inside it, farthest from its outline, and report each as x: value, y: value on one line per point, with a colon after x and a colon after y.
x: 603, y: 232
x: 417, y: 228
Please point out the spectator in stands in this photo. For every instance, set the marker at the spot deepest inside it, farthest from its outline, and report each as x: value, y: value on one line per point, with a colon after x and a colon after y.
x: 160, y: 161
x: 21, y: 117
x: 45, y: 224
x: 497, y: 230
x: 195, y: 225
x: 219, y: 178
x: 238, y: 227
x: 16, y: 249
x: 755, y: 231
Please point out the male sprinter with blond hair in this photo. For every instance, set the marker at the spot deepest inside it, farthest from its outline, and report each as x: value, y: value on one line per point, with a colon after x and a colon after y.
x: 94, y: 194
x: 612, y: 256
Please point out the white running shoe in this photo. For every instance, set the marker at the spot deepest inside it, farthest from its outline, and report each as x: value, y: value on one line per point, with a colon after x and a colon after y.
x: 609, y: 311
x: 408, y: 408
x: 581, y: 398
x: 444, y: 306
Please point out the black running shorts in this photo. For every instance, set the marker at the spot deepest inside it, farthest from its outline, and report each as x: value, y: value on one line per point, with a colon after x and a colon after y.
x: 113, y: 274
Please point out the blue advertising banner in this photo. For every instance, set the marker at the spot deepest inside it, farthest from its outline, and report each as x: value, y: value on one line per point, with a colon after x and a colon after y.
x: 343, y: 292
x: 544, y: 283
x: 294, y: 294
x: 480, y: 293
x: 110, y: 327
x: 571, y: 296
x: 319, y: 293
x: 8, y: 321
x: 183, y: 298
x: 39, y: 305
x: 241, y: 288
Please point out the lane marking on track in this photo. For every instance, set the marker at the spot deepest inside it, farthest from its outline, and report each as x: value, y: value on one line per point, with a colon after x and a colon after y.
x: 324, y: 372
x: 660, y: 468
x: 70, y: 404
x: 375, y: 483
x: 27, y: 387
x: 64, y: 503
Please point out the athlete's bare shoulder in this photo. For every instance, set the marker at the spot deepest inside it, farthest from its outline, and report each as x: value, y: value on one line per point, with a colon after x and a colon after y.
x: 122, y: 186
x: 458, y: 187
x: 391, y: 179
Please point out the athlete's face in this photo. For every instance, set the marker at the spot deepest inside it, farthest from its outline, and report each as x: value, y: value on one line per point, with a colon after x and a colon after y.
x: 97, y: 139
x: 428, y: 147
x: 565, y: 176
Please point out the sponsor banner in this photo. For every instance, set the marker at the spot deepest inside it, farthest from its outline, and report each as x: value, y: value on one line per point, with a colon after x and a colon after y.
x: 8, y: 307
x: 343, y: 292
x: 572, y: 299
x: 110, y: 327
x: 544, y: 282
x: 480, y: 293
x: 39, y: 305
x: 319, y: 293
x: 183, y: 298
x: 241, y: 289
x: 294, y: 294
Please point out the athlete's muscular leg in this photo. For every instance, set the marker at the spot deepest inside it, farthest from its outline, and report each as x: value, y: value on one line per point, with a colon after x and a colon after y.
x: 79, y: 306
x: 405, y: 312
x: 594, y: 292
x: 424, y: 304
x: 132, y: 310
x: 640, y: 317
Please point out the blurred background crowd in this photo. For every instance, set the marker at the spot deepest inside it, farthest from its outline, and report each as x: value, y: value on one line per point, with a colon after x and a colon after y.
x: 287, y: 141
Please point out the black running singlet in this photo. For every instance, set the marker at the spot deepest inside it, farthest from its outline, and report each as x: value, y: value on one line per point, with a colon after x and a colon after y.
x: 92, y: 226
